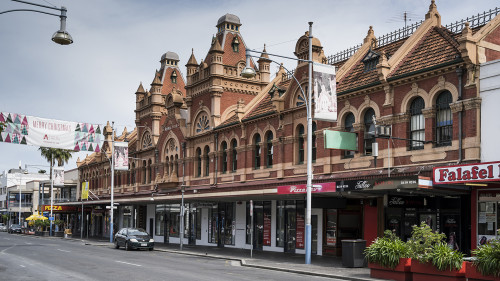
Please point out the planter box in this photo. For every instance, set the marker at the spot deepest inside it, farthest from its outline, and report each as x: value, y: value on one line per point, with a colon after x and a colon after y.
x: 41, y: 233
x: 58, y: 233
x: 473, y: 274
x: 400, y: 273
x: 427, y: 272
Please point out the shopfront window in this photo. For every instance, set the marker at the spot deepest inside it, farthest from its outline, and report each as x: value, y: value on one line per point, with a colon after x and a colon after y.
x: 280, y: 223
x: 213, y: 220
x: 487, y: 221
x: 127, y: 216
x: 160, y: 220
x: 331, y: 227
x: 222, y: 224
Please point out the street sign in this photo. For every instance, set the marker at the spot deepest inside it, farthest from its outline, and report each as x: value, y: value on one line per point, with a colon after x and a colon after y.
x: 51, y: 218
x: 109, y: 207
x: 340, y: 140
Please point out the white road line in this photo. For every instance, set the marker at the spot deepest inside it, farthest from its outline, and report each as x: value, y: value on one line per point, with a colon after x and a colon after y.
x: 22, y: 265
x: 64, y: 251
x: 128, y: 263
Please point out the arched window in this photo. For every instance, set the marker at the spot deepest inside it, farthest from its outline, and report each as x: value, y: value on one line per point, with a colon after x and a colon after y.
x: 173, y: 77
x: 417, y: 123
x: 256, y: 142
x: 198, y: 162
x: 205, y: 159
x: 150, y: 171
x: 269, y: 149
x: 300, y: 134
x: 368, y: 122
x: 146, y: 140
x: 224, y: 157
x: 444, y: 119
x: 313, y: 139
x: 234, y: 156
x: 144, y: 167
x: 349, y: 127
x: 203, y: 123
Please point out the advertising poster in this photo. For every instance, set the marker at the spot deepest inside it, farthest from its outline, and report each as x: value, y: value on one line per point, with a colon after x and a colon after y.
x: 325, y: 92
x: 41, y: 132
x: 121, y: 156
x: 300, y: 235
x: 267, y: 230
x: 58, y: 174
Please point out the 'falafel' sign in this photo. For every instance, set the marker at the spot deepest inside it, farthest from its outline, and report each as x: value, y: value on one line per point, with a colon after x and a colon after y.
x: 467, y: 173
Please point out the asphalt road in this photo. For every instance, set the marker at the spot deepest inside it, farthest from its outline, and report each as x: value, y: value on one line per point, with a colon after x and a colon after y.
x: 32, y: 258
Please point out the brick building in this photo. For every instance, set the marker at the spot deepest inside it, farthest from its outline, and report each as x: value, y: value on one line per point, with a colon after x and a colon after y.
x: 235, y: 144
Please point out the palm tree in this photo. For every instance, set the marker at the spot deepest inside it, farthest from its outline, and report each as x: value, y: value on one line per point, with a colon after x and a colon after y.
x: 55, y: 154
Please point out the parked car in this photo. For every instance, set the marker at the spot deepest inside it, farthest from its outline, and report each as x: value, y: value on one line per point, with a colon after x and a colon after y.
x: 15, y: 228
x: 133, y: 238
x: 3, y: 227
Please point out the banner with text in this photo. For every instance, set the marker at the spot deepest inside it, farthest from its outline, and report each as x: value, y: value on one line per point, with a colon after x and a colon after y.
x: 325, y: 92
x: 29, y: 130
x: 58, y: 174
x: 121, y: 156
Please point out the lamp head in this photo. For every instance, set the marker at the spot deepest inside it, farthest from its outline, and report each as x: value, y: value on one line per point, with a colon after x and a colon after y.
x: 248, y: 72
x: 62, y: 37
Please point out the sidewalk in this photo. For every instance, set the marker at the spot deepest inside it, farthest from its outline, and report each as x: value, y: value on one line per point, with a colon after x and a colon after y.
x: 320, y: 265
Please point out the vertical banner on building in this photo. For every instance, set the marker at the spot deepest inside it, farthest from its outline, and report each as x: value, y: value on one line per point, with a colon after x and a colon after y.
x: 325, y: 92
x: 85, y: 190
x: 121, y: 156
x: 29, y: 130
x: 58, y: 174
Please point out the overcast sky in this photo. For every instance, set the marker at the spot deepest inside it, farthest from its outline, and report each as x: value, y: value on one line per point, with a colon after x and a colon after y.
x: 118, y: 44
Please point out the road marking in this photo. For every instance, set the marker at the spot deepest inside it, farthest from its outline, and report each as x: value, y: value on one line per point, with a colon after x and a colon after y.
x: 22, y: 265
x: 64, y: 251
x: 128, y: 263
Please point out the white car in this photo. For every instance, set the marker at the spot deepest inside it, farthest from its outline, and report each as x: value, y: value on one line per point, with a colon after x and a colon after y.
x: 3, y: 227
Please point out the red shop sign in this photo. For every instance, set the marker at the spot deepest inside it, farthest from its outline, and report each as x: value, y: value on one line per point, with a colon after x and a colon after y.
x: 467, y: 173
x: 302, y: 188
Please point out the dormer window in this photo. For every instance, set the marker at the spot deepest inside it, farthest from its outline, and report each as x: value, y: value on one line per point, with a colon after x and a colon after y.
x: 370, y: 60
x: 173, y: 77
x: 236, y: 45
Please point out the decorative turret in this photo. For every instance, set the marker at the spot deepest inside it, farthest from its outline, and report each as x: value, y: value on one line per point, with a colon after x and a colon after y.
x: 228, y: 22
x: 302, y: 49
x: 192, y: 64
x: 264, y: 66
x: 139, y: 94
x: 156, y: 84
x: 433, y: 13
x: 169, y: 59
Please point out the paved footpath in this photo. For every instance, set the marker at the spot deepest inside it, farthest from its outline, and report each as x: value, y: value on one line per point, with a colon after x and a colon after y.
x: 320, y: 265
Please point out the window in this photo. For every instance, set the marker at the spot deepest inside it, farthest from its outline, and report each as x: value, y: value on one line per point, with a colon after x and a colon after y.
x: 206, y: 160
x: 202, y: 124
x: 224, y: 157
x: 313, y: 139
x: 256, y: 141
x: 349, y: 127
x: 417, y: 123
x: 300, y: 134
x: 368, y: 121
x: 146, y: 140
x: 370, y: 61
x: 173, y: 77
x: 444, y: 121
x: 144, y: 166
x: 234, y: 156
x: 269, y: 150
x: 198, y: 162
x: 236, y: 45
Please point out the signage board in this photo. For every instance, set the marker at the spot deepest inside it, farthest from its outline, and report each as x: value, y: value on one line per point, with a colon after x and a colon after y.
x: 340, y: 140
x: 479, y: 172
x: 378, y: 184
x: 302, y: 188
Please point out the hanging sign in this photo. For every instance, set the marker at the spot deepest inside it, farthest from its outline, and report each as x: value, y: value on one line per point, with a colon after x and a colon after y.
x: 121, y: 156
x: 58, y: 174
x: 467, y: 173
x: 302, y: 188
x: 29, y: 130
x: 85, y: 190
x: 325, y: 92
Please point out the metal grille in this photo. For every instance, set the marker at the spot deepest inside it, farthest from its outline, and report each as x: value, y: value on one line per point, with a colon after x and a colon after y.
x: 417, y: 124
x: 444, y: 119
x: 474, y: 21
x: 343, y: 55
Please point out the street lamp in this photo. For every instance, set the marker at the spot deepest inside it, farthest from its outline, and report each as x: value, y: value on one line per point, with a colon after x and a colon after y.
x: 61, y: 36
x: 249, y: 72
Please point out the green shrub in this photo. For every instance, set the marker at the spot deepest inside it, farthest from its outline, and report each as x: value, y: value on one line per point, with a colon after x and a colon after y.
x: 386, y: 251
x: 488, y: 258
x: 444, y: 258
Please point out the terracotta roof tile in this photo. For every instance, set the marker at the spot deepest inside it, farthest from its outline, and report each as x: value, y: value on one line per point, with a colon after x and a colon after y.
x: 265, y: 106
x: 437, y: 47
x: 230, y: 120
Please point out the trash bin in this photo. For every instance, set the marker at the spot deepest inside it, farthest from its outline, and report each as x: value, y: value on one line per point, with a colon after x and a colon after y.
x: 352, y: 253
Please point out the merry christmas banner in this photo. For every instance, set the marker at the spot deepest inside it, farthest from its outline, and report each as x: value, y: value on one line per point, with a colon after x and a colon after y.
x: 36, y: 131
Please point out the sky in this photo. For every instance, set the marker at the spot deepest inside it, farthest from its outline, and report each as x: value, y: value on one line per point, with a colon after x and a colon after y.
x: 118, y: 44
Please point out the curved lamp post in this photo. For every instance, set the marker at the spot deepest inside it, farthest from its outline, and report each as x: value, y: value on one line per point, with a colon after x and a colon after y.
x: 249, y: 72
x: 61, y: 36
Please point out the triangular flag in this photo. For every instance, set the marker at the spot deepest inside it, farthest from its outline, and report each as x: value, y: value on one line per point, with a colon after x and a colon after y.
x: 77, y: 147
x: 91, y: 148
x: 97, y: 149
x: 24, y: 140
x: 77, y: 128
x: 98, y: 130
x: 2, y: 119
x: 91, y: 130
x: 7, y: 139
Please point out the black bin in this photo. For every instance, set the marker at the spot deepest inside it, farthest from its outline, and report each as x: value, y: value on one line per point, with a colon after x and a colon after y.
x: 352, y: 253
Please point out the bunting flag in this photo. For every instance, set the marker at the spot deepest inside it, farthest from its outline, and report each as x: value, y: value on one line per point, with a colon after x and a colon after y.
x: 29, y: 130
x: 325, y: 92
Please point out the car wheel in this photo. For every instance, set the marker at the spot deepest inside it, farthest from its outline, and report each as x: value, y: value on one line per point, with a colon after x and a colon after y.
x: 116, y: 245
x: 151, y: 249
x: 127, y: 247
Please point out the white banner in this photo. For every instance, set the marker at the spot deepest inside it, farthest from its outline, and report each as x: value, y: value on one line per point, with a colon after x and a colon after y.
x: 121, y: 156
x: 58, y: 174
x: 29, y: 130
x: 325, y: 92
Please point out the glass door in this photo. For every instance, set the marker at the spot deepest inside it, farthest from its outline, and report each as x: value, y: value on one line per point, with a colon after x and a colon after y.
x: 290, y: 226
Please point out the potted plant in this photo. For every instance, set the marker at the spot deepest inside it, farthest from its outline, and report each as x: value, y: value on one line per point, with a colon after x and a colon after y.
x: 388, y: 258
x: 58, y: 232
x: 432, y: 258
x: 486, y: 265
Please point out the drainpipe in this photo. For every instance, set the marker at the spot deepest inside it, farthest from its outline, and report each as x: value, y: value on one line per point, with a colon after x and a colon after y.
x: 459, y: 74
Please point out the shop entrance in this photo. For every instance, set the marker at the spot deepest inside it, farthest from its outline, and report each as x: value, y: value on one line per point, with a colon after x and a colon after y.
x: 222, y: 224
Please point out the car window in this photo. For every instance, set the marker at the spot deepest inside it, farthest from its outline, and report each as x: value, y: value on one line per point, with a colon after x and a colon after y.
x: 137, y: 232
